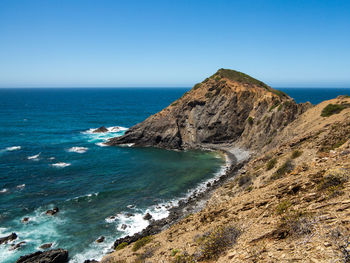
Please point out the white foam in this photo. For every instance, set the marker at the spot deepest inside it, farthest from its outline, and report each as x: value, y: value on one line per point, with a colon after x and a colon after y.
x: 21, y: 186
x: 13, y: 148
x: 4, y: 190
x: 101, y: 138
x: 34, y: 157
x: 51, y: 158
x: 78, y: 149
x: 60, y: 164
x: 101, y: 144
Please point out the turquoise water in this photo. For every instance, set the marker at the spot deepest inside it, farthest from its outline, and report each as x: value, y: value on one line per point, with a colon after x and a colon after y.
x: 91, y: 183
x: 49, y: 157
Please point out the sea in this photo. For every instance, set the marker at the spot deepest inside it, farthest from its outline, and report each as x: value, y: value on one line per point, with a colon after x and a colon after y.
x: 49, y: 157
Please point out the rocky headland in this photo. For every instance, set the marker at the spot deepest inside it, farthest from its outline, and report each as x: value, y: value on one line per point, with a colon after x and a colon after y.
x: 285, y: 199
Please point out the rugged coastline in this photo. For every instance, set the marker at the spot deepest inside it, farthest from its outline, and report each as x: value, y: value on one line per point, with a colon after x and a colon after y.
x: 194, y: 203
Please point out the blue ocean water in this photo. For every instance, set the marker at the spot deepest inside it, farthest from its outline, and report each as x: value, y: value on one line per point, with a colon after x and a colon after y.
x: 49, y: 157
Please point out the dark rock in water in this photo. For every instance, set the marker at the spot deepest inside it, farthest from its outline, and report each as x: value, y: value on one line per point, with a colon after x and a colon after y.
x: 91, y: 261
x: 51, y: 256
x: 130, y: 206
x: 101, y: 129
x: 208, y: 184
x: 16, y: 246
x: 51, y: 212
x: 46, y: 246
x: 129, y: 214
x: 147, y: 216
x: 25, y: 220
x: 124, y: 226
x: 100, y: 239
x: 4, y: 240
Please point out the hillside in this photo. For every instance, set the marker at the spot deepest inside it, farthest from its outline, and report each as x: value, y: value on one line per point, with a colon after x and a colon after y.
x: 288, y: 204
x: 229, y: 107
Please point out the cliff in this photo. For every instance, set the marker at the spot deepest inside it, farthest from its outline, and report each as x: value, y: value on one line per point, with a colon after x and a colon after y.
x: 289, y: 203
x: 228, y: 107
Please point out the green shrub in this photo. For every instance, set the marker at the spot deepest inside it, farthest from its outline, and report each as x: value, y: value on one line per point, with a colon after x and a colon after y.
x: 274, y: 106
x: 213, y: 243
x: 296, y: 154
x: 271, y: 164
x: 283, y: 207
x: 250, y: 120
x: 244, y: 180
x: 121, y: 246
x: 295, y: 223
x: 279, y: 107
x: 332, y: 181
x: 285, y: 168
x: 183, y: 258
x: 174, y: 252
x: 197, y: 86
x: 141, y: 242
x: 331, y: 109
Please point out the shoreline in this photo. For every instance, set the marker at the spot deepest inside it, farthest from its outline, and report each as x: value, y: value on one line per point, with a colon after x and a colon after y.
x: 191, y: 204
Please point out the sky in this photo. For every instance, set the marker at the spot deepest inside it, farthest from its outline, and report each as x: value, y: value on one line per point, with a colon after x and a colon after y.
x: 112, y: 43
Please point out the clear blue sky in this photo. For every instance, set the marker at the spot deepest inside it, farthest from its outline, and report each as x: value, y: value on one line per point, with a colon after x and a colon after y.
x: 173, y: 43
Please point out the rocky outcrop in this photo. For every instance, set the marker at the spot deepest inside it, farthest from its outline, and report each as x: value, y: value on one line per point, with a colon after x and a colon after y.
x: 228, y: 107
x: 50, y: 256
x: 101, y: 129
x: 5, y: 240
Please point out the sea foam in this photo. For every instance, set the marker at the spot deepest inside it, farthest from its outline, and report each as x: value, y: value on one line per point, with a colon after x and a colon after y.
x: 34, y: 157
x: 60, y: 164
x: 100, y: 138
x: 78, y: 149
x: 13, y: 148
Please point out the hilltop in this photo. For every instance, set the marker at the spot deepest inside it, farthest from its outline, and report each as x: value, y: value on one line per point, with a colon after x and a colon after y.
x: 228, y: 107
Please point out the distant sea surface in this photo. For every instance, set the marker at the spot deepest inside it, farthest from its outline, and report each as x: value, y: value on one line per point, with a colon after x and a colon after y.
x: 50, y: 157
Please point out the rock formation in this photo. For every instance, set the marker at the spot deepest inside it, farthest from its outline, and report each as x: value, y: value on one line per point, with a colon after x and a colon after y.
x: 228, y: 107
x: 50, y: 256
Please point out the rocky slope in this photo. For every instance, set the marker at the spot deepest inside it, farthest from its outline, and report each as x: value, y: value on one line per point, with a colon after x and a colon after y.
x: 228, y: 107
x: 289, y: 203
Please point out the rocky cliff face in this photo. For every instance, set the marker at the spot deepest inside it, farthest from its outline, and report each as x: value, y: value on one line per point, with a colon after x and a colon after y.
x: 228, y: 107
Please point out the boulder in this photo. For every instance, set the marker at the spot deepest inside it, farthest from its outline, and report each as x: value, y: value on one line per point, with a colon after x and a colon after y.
x: 101, y: 129
x: 16, y: 246
x: 51, y: 212
x: 91, y: 261
x: 46, y: 246
x: 5, y: 240
x: 51, y: 256
x: 25, y: 220
x: 147, y: 216
x: 100, y: 239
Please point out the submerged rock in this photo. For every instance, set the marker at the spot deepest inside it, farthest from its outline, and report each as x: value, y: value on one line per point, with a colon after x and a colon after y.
x: 100, y: 239
x: 124, y: 226
x: 25, y: 220
x: 101, y: 129
x: 5, y: 240
x: 46, y: 246
x: 18, y: 245
x: 51, y: 256
x: 91, y: 261
x: 51, y: 212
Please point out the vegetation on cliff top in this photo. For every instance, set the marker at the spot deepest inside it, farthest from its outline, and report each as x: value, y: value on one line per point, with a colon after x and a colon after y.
x: 244, y: 79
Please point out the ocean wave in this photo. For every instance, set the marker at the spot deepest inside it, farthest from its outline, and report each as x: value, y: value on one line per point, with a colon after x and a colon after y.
x: 101, y: 138
x: 60, y: 164
x: 21, y: 186
x: 4, y: 190
x: 78, y: 149
x: 13, y: 148
x: 34, y: 157
x: 83, y: 197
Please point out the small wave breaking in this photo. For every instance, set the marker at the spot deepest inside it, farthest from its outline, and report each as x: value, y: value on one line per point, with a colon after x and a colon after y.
x: 13, y: 148
x: 78, y: 149
x: 100, y: 138
x: 34, y: 157
x: 60, y: 165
